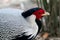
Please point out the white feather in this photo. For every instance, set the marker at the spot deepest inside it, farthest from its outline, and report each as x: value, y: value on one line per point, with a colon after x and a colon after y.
x: 12, y: 24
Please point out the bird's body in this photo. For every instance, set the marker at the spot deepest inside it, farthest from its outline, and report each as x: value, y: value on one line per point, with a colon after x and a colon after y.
x: 13, y: 24
x: 17, y: 25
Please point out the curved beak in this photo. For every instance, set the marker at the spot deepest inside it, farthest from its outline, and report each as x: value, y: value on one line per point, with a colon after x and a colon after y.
x: 46, y: 14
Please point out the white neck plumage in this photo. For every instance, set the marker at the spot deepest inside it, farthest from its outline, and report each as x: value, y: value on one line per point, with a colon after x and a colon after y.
x: 31, y: 21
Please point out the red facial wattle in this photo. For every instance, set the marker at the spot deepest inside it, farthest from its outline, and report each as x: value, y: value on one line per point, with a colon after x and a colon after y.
x: 39, y: 13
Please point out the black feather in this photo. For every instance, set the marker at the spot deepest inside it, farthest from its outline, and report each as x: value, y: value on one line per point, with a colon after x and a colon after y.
x: 39, y: 23
x: 29, y: 12
x: 23, y: 37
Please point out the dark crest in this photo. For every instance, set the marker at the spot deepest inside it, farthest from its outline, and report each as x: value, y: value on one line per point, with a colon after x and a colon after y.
x: 29, y: 12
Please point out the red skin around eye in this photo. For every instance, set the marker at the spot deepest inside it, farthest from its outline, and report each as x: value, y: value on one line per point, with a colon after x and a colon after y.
x: 38, y: 13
